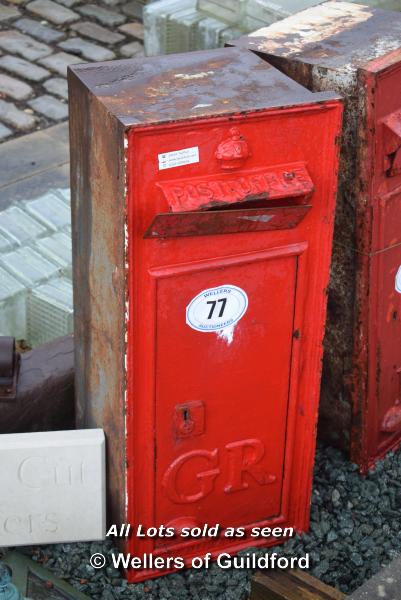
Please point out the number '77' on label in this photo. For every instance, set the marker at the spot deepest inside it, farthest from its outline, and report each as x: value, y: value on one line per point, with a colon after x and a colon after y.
x: 216, y: 308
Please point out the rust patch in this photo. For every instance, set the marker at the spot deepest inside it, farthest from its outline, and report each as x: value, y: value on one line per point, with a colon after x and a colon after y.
x: 211, y: 82
x: 99, y: 274
x: 331, y: 35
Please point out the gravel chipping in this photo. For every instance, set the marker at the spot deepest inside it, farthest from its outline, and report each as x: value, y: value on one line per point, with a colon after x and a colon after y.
x: 355, y: 530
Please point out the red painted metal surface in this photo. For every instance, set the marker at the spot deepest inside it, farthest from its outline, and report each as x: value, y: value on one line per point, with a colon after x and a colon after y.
x: 229, y: 418
x: 382, y: 322
x: 227, y: 242
x: 226, y: 221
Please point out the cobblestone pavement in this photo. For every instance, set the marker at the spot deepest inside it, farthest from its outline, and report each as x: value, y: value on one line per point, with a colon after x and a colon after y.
x: 40, y: 38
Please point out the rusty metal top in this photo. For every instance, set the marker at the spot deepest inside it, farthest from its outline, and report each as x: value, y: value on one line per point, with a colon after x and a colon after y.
x: 334, y: 35
x: 190, y: 85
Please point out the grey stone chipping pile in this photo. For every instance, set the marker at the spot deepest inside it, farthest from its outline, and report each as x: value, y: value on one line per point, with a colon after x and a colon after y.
x: 355, y: 530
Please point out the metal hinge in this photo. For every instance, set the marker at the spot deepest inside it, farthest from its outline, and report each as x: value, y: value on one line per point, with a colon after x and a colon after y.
x: 9, y: 368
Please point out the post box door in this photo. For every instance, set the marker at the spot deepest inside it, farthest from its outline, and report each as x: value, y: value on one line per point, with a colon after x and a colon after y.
x: 220, y: 453
x: 384, y: 412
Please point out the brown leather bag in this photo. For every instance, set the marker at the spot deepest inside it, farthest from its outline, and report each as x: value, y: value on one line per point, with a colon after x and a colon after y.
x: 37, y: 387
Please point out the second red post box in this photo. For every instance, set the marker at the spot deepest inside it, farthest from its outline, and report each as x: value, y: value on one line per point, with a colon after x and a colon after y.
x: 356, y: 50
x: 203, y: 192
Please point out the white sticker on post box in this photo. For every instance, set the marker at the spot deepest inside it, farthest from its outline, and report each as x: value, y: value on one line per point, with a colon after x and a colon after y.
x: 178, y: 158
x: 217, y: 308
x: 398, y: 281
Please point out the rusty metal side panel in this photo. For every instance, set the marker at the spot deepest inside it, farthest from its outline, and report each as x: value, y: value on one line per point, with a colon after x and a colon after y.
x: 345, y: 379
x: 357, y: 382
x: 97, y: 149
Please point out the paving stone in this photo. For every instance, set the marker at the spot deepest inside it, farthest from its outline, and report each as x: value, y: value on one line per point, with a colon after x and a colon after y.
x: 5, y: 132
x: 60, y: 61
x: 103, y: 15
x: 57, y: 86
x: 24, y: 177
x: 97, y: 32
x: 52, y: 12
x: 385, y: 584
x: 19, y: 43
x: 16, y: 89
x: 132, y: 49
x: 19, y: 66
x: 43, y: 33
x: 134, y: 29
x: 50, y: 107
x: 8, y: 12
x: 39, y: 39
x: 15, y: 117
x: 88, y: 50
x: 133, y: 9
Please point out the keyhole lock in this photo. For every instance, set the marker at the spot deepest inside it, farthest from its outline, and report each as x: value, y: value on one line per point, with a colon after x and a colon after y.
x: 187, y: 424
x: 189, y: 419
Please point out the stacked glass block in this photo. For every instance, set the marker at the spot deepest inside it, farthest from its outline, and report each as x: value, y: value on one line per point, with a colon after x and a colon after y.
x: 260, y: 13
x: 226, y: 11
x: 35, y: 268
x: 50, y: 311
x: 183, y: 25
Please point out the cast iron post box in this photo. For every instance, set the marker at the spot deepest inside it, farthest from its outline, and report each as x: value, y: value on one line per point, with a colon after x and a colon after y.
x: 203, y: 193
x: 356, y: 50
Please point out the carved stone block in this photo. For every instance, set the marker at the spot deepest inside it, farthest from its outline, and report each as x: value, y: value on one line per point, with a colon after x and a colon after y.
x: 52, y: 487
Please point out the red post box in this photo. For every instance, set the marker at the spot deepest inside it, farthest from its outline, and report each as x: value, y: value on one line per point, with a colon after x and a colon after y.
x: 356, y: 50
x: 203, y: 192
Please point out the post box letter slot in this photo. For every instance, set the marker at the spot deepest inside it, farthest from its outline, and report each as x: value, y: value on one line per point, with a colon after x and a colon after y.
x: 167, y: 225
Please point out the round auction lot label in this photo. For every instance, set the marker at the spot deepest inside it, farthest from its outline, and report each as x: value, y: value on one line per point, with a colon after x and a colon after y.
x: 217, y: 308
x: 398, y: 281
